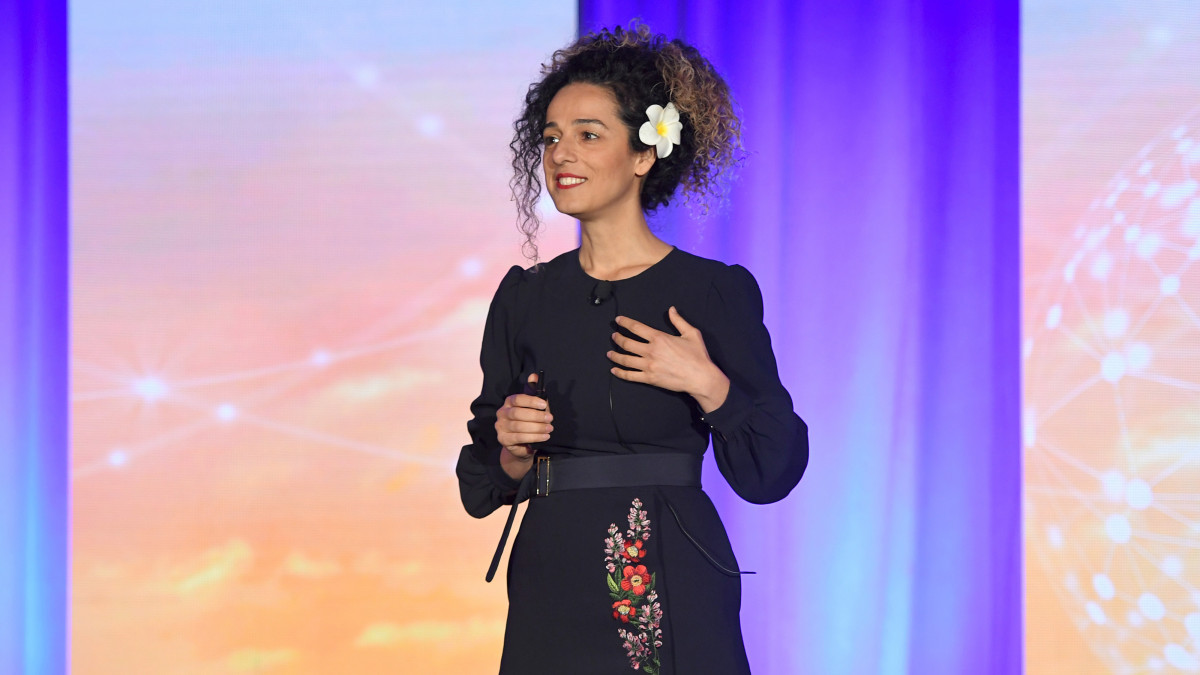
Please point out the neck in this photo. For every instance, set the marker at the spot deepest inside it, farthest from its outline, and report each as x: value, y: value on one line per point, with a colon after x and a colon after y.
x: 618, y: 249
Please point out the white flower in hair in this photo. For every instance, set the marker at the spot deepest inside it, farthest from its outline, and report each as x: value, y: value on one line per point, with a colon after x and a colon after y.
x: 662, y: 131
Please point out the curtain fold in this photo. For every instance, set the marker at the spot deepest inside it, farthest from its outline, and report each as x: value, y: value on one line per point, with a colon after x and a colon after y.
x: 34, y: 497
x: 879, y: 211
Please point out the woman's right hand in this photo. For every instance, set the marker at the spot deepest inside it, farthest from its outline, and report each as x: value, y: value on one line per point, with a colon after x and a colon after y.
x: 522, y: 421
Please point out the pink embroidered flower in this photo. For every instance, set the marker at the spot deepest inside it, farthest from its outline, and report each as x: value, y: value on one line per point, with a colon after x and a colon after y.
x: 622, y: 609
x: 635, y: 579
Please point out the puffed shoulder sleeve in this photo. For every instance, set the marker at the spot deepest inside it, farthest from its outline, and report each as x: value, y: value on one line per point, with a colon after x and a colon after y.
x: 761, y: 445
x: 482, y: 483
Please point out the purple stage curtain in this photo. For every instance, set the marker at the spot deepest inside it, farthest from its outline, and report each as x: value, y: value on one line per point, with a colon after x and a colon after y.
x: 879, y: 210
x: 34, y: 495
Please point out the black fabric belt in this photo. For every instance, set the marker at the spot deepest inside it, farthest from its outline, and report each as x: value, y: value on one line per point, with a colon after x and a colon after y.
x: 550, y: 474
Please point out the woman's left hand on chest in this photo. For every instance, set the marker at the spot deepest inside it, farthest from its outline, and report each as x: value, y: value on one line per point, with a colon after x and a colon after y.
x: 677, y: 363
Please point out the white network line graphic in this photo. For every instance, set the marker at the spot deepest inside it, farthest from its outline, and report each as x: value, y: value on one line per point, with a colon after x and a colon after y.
x: 1113, y: 342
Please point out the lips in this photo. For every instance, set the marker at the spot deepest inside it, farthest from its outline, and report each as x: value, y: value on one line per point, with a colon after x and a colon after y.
x: 566, y: 181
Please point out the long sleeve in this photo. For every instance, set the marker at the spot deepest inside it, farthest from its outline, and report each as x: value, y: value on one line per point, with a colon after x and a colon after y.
x: 482, y: 482
x: 761, y: 445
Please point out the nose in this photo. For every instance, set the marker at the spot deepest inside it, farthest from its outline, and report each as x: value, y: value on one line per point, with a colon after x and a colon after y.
x: 561, y: 152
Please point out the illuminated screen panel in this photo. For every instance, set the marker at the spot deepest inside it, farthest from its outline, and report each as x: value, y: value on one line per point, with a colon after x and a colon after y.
x: 288, y: 221
x: 1111, y: 143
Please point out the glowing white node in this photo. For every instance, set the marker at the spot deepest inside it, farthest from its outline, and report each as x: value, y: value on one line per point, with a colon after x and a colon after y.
x: 1072, y: 583
x: 320, y: 358
x: 1181, y: 658
x: 1148, y: 245
x: 226, y: 412
x: 1111, y: 199
x: 1179, y: 132
x: 1135, y: 619
x: 1160, y: 36
x: 150, y: 388
x: 1095, y: 238
x: 1104, y: 586
x: 1116, y: 321
x: 1029, y: 427
x: 1138, y: 494
x: 1123, y: 184
x: 1132, y: 233
x: 1151, y: 606
x: 1151, y: 189
x: 1169, y: 285
x: 1183, y: 146
x: 1119, y: 217
x: 1114, y: 485
x: 1117, y: 528
x: 470, y: 267
x: 1191, y: 219
x: 1175, y: 194
x: 1096, y: 612
x: 1138, y: 356
x: 430, y: 126
x: 366, y: 76
x: 1101, y: 266
x: 1069, y: 272
x: 1113, y: 366
x: 1145, y: 168
x: 1192, y: 623
x: 1172, y: 566
x: 1054, y: 536
x: 1054, y: 317
x: 118, y: 458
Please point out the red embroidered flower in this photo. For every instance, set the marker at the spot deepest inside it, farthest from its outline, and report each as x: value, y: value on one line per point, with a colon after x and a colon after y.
x: 623, y: 609
x: 633, y: 551
x: 635, y: 579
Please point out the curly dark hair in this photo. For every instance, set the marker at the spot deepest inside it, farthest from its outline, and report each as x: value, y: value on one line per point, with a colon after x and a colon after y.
x: 640, y: 69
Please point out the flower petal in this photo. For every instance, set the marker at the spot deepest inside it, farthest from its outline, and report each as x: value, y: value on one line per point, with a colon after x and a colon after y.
x: 664, y: 147
x: 648, y: 134
x: 655, y: 113
x: 674, y: 129
x: 670, y: 113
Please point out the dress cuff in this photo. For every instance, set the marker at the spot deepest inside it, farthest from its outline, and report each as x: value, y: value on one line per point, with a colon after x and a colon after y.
x: 506, y: 483
x: 733, y: 411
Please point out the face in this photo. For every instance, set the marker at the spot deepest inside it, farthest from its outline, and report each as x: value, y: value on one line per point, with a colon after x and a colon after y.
x: 591, y: 171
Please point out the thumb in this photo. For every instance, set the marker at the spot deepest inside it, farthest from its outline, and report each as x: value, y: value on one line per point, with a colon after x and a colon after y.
x: 678, y: 321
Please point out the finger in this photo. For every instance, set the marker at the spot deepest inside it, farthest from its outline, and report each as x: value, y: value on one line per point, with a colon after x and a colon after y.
x: 629, y: 344
x: 523, y: 438
x: 524, y: 415
x: 678, y: 321
x: 526, y: 401
x: 538, y: 428
x: 637, y: 327
x: 629, y: 375
x: 624, y: 360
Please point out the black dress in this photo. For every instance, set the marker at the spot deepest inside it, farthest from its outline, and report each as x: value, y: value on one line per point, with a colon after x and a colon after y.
x: 610, y: 580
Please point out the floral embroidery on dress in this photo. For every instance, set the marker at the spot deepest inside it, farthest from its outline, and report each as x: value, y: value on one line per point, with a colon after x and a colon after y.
x: 631, y: 587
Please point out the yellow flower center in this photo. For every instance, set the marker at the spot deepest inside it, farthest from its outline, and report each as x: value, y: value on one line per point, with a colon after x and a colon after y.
x: 636, y: 580
x: 662, y: 129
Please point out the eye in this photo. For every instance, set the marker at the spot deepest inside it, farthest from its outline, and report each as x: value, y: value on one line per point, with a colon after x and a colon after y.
x: 590, y: 135
x: 549, y: 140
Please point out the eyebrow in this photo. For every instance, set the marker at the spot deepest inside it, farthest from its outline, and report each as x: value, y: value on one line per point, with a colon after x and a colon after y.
x: 578, y: 121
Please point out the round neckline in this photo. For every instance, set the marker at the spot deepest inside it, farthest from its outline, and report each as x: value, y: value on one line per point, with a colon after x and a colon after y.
x: 639, y: 275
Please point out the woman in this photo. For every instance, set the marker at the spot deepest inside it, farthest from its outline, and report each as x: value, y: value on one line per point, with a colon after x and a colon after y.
x: 644, y: 352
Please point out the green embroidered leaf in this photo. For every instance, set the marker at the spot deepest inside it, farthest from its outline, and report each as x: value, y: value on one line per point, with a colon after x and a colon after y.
x: 612, y: 584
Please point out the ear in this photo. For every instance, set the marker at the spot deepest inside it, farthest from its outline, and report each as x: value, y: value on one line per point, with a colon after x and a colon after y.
x: 644, y: 161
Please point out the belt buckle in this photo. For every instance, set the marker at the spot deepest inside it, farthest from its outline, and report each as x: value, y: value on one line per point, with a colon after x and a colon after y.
x: 541, y: 476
